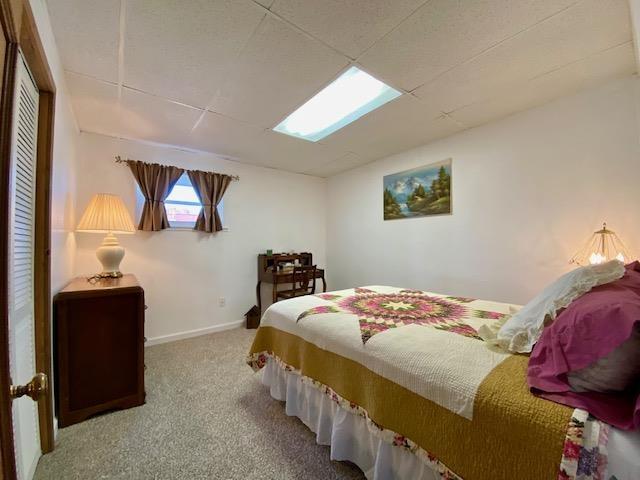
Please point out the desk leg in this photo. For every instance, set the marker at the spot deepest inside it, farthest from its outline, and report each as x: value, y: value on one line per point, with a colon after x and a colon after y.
x: 324, y: 284
x: 259, y: 296
x: 275, y: 292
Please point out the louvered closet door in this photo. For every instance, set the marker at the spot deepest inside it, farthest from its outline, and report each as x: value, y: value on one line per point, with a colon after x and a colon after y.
x: 21, y: 286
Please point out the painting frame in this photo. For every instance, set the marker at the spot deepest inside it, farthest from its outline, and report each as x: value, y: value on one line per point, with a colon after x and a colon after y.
x: 423, y: 191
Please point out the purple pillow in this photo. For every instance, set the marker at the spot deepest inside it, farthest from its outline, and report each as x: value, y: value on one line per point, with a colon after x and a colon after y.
x: 588, y: 330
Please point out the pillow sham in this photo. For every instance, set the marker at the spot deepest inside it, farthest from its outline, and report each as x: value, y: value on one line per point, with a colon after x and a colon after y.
x: 520, y: 332
x: 588, y: 358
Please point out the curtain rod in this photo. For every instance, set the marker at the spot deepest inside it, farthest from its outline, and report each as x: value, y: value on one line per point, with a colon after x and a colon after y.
x: 121, y: 160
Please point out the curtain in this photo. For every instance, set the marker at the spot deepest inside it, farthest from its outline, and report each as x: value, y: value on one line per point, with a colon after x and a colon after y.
x: 210, y: 187
x: 155, y: 182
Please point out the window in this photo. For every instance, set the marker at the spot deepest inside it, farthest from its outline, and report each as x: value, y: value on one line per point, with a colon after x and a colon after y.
x: 182, y: 204
x: 350, y: 96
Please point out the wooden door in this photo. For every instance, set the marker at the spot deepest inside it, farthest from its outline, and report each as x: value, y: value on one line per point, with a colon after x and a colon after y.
x: 19, y: 32
x: 9, y: 50
x: 21, y: 266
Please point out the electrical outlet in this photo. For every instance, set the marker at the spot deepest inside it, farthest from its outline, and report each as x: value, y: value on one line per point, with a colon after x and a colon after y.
x: 222, y: 301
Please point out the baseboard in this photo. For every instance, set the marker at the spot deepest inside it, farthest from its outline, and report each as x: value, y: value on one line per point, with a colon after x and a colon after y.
x: 192, y: 333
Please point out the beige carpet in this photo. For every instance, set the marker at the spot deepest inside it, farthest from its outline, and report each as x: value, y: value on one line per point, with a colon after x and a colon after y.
x: 207, y: 416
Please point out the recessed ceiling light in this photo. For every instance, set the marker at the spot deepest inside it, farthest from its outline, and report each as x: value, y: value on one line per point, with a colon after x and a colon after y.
x: 350, y: 96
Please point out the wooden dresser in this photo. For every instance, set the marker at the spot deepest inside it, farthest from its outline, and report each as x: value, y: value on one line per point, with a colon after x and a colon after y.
x: 98, y: 338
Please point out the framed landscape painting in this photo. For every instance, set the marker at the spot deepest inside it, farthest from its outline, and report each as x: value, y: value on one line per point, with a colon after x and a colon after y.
x: 420, y: 192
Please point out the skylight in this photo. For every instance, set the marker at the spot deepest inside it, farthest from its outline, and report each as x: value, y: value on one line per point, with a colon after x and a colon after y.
x: 350, y: 96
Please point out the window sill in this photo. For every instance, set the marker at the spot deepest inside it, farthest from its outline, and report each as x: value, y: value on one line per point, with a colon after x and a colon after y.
x: 189, y: 229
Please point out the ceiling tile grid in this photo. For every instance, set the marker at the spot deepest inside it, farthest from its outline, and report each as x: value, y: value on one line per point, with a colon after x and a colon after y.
x: 332, y: 21
x: 183, y: 50
x: 218, y: 75
x: 613, y: 63
x: 399, y: 125
x: 247, y: 143
x: 156, y: 119
x: 223, y: 135
x: 95, y: 104
x: 444, y: 33
x: 346, y: 161
x: 288, y: 153
x: 584, y: 29
x: 279, y: 69
x: 265, y: 3
x: 87, y: 35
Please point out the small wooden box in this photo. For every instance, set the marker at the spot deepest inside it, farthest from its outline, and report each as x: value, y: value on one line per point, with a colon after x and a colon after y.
x: 253, y: 317
x: 98, y: 347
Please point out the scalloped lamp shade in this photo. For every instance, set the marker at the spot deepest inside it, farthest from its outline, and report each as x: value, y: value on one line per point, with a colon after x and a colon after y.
x: 604, y: 245
x: 106, y: 213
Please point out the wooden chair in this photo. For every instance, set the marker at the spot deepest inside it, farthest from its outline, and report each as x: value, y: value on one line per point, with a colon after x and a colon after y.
x: 302, y: 280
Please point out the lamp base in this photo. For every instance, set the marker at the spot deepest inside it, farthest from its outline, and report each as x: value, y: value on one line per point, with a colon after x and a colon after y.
x: 110, y: 254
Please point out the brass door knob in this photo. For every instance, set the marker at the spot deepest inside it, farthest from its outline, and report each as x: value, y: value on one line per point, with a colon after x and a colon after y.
x: 35, y: 389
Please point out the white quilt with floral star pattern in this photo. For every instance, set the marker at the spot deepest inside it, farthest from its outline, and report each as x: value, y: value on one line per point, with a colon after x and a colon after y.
x: 402, y: 335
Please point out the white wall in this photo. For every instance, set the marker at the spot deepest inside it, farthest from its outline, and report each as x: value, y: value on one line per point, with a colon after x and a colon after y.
x: 63, y: 182
x: 184, y: 273
x: 527, y: 192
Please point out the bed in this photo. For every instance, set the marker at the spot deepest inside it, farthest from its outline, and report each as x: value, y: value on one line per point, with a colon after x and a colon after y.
x: 398, y: 382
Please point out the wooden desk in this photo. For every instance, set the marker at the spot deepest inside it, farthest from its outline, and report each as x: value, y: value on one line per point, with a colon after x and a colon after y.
x: 266, y: 272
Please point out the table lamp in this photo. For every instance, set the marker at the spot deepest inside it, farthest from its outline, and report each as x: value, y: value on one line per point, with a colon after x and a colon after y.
x: 106, y: 213
x: 603, y: 245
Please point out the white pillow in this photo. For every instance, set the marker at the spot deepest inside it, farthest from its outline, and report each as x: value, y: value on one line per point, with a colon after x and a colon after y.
x: 521, y: 331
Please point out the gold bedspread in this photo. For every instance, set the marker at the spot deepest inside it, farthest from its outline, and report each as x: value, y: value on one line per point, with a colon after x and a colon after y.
x: 513, y: 435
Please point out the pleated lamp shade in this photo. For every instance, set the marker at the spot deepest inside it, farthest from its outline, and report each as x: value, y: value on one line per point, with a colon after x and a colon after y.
x: 604, y: 245
x: 106, y: 213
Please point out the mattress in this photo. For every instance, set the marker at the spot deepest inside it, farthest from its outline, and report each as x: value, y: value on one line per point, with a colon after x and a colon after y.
x: 411, y: 365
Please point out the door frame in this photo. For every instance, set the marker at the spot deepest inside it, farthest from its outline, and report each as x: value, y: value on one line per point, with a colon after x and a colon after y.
x: 19, y: 28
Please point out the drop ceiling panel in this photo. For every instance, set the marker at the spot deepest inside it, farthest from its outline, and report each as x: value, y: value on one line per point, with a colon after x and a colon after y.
x: 582, y: 30
x: 292, y: 154
x: 427, y: 130
x: 250, y: 144
x: 222, y: 135
x: 350, y: 27
x: 183, y: 50
x: 156, y: 119
x: 279, y: 70
x: 87, y: 36
x: 443, y: 33
x: 596, y: 69
x: 399, y: 125
x: 477, y: 60
x: 265, y: 3
x: 345, y: 162
x: 95, y: 104
x: 289, y: 153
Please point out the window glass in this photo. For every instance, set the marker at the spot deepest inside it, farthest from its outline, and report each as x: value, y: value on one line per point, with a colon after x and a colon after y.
x: 182, y: 204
